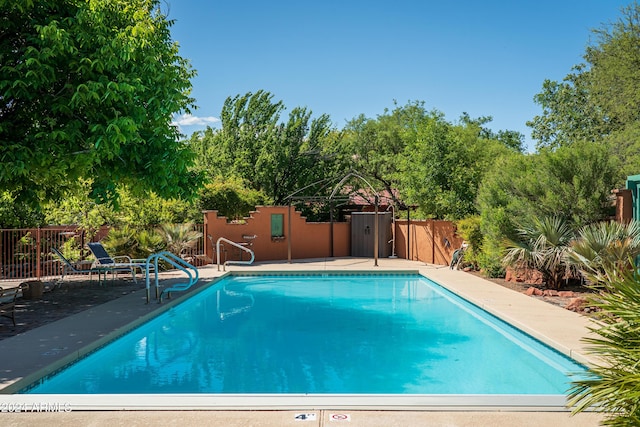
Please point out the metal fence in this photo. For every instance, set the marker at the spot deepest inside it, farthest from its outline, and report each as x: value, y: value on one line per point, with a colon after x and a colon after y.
x: 25, y: 253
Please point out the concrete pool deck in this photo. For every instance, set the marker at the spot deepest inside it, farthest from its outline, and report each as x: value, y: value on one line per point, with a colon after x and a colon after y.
x: 27, y: 356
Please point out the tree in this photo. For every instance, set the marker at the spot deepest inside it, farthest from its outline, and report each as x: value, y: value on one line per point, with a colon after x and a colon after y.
x: 267, y: 155
x: 435, y: 164
x: 376, y: 147
x: 568, y: 113
x: 572, y: 182
x: 295, y: 158
x: 88, y: 89
x: 445, y: 164
x: 599, y: 101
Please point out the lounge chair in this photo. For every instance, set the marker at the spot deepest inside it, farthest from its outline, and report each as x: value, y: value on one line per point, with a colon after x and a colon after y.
x: 105, y: 263
x: 8, y: 302
x: 69, y: 268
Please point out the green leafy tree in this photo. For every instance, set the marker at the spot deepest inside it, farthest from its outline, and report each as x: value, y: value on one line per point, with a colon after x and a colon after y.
x: 445, y: 164
x: 18, y: 215
x: 568, y: 113
x: 376, y: 148
x: 599, y: 101
x: 435, y: 164
x: 88, y: 90
x: 137, y: 211
x: 267, y: 155
x: 295, y: 158
x: 571, y: 182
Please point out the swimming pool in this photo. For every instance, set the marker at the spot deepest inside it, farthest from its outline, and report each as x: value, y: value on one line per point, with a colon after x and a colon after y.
x: 388, y: 334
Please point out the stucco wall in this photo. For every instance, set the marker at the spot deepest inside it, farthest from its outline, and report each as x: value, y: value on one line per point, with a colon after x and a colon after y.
x: 308, y: 240
x: 430, y: 241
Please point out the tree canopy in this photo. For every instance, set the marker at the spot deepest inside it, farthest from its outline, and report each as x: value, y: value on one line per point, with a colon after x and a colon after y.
x: 598, y: 101
x: 435, y: 164
x: 269, y: 155
x: 88, y: 89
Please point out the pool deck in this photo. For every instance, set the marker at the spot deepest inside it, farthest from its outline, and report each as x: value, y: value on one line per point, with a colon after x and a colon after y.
x: 28, y: 356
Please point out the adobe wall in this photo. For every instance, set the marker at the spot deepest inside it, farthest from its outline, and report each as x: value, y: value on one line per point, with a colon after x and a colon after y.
x: 624, y: 205
x: 308, y: 240
x: 430, y: 241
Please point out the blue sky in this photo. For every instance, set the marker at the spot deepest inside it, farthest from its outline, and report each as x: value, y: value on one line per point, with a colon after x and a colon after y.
x: 351, y: 57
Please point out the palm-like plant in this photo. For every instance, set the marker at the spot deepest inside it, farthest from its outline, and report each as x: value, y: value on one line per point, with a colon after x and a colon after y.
x: 605, y: 246
x: 542, y: 246
x: 614, y: 386
x: 121, y: 241
x: 180, y: 237
x: 149, y: 242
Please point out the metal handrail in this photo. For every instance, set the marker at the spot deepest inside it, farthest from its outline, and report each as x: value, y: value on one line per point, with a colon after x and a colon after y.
x: 178, y: 263
x: 237, y: 245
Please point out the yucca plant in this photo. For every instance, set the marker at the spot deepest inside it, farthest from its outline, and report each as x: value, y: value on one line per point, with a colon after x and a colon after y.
x: 179, y: 238
x: 149, y: 242
x: 542, y: 246
x: 121, y: 241
x: 613, y: 386
x: 610, y: 246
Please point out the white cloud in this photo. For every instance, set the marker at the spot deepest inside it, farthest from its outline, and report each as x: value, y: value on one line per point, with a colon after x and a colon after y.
x: 189, y: 120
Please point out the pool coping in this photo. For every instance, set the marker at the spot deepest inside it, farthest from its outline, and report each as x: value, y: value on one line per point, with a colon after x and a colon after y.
x: 413, y: 402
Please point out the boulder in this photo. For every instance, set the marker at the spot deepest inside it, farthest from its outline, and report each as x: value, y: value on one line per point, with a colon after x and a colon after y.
x: 576, y: 304
x: 566, y: 294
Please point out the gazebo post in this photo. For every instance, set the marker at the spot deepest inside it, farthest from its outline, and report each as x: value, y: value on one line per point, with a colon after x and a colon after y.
x: 375, y: 233
x: 331, y: 228
x: 289, y: 233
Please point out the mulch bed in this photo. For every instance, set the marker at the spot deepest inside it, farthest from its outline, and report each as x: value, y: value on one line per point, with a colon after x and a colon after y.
x: 70, y: 298
x: 580, y: 294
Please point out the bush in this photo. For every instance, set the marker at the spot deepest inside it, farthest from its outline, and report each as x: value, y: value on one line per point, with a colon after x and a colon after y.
x: 230, y: 199
x: 469, y: 230
x: 136, y: 243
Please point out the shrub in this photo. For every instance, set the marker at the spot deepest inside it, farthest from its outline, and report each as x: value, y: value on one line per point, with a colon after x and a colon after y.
x: 469, y: 230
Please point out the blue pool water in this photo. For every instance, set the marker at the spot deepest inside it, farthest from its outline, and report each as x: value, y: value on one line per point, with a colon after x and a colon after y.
x: 391, y: 334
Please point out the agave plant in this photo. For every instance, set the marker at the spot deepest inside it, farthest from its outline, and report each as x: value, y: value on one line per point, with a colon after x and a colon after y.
x: 605, y: 246
x: 542, y: 246
x: 180, y: 238
x: 613, y: 387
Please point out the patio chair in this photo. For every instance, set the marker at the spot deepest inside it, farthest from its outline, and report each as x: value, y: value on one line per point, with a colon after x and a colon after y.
x: 105, y: 263
x: 70, y: 268
x: 8, y: 302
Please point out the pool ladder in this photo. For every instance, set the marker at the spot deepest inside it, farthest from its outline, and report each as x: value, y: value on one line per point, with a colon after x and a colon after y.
x: 237, y: 245
x: 170, y: 258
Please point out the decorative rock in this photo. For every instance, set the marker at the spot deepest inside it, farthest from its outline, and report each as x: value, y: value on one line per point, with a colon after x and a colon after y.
x: 550, y: 293
x: 566, y: 294
x: 532, y: 290
x: 576, y: 304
